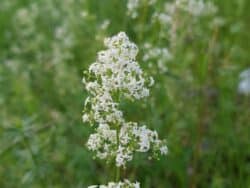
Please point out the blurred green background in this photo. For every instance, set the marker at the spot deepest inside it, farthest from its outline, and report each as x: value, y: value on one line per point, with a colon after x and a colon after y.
x: 45, y: 46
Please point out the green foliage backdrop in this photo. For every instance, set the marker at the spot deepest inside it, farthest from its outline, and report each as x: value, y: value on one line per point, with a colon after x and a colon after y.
x: 46, y: 45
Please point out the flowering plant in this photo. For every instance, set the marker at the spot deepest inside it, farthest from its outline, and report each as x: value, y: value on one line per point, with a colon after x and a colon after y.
x: 116, y: 75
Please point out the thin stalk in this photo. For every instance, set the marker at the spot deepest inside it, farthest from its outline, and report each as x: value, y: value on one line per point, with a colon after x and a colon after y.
x: 173, y: 30
x: 204, y: 109
x: 117, y: 169
x: 117, y: 174
x: 143, y: 19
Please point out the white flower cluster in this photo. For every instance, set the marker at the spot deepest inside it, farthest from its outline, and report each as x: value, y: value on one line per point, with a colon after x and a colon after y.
x: 244, y: 85
x: 31, y: 39
x: 196, y: 8
x: 134, y: 5
x: 170, y: 16
x: 134, y: 138
x: 117, y: 69
x: 114, y: 75
x: 160, y: 55
x: 177, y: 19
x: 125, y: 184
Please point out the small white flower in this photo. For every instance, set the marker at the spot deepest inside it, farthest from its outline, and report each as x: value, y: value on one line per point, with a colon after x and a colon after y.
x: 84, y: 14
x: 244, y: 84
x: 105, y: 24
x: 122, y: 184
x: 164, y: 150
x: 85, y: 118
x: 93, y: 186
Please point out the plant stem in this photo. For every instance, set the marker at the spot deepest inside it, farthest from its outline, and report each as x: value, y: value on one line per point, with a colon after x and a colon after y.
x: 143, y: 19
x: 205, y: 108
x: 117, y: 174
x: 117, y: 169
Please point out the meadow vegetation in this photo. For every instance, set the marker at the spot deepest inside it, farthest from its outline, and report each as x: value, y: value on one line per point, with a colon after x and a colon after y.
x: 197, y: 53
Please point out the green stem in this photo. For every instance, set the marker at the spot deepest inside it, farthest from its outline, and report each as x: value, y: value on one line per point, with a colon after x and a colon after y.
x: 143, y: 19
x: 205, y: 107
x: 117, y: 174
x: 117, y: 169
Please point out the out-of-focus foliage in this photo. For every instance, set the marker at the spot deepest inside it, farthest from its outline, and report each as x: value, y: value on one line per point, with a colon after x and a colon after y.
x: 46, y: 45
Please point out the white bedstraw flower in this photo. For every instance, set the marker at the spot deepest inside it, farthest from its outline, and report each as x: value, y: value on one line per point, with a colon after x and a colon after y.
x: 116, y: 75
